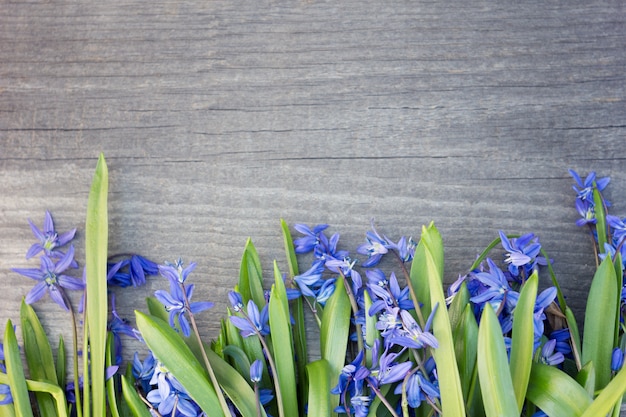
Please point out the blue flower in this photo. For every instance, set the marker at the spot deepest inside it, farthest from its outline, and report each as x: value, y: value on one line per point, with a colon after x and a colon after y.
x: 387, y: 293
x: 117, y: 326
x: 253, y: 322
x: 419, y: 389
x: 497, y: 289
x: 548, y: 354
x: 584, y: 189
x: 175, y: 271
x: 311, y: 237
x: 522, y: 252
x: 131, y: 271
x: 388, y: 370
x: 49, y: 239
x: 617, y: 359
x: 175, y: 303
x: 256, y: 371
x: 586, y: 211
x: 5, y: 390
x: 412, y: 335
x: 311, y: 279
x: 51, y: 279
x: 170, y: 396
x: 143, y: 371
x: 375, y: 247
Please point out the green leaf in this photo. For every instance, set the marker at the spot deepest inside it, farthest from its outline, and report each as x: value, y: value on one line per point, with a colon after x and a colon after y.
x: 96, y: 241
x: 449, y: 379
x: 334, y: 333
x: 371, y: 332
x: 522, y: 339
x: 586, y: 378
x: 242, y: 364
x: 137, y: 407
x: 493, y: 368
x: 61, y: 363
x: 39, y: 357
x: 319, y: 388
x: 556, y: 393
x: 610, y: 396
x: 292, y: 260
x: 599, y: 327
x: 234, y: 385
x: 466, y: 349
x: 111, y: 387
x: 37, y: 386
x: 282, y: 344
x: 574, y: 336
x: 15, y: 373
x: 178, y: 358
x: 458, y: 304
x: 251, y: 276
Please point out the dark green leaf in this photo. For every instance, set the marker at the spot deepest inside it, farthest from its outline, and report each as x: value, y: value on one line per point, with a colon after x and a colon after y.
x: 15, y: 373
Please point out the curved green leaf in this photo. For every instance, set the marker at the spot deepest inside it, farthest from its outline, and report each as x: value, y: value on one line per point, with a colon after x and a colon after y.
x: 449, y: 379
x: 96, y: 245
x: 282, y: 344
x: 37, y: 386
x: 466, y: 349
x: 15, y: 373
x: 599, y: 330
x: 334, y: 333
x: 242, y: 363
x: 493, y: 368
x: 251, y: 276
x: 178, y: 358
x: 136, y: 406
x: 522, y: 339
x: 319, y: 388
x: 556, y: 393
x: 610, y: 396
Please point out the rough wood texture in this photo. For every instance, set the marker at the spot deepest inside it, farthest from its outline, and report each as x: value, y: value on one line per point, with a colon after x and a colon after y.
x: 218, y: 118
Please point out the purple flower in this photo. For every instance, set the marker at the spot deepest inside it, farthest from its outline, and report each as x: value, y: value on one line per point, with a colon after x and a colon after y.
x: 253, y: 322
x: 178, y: 303
x: 310, y: 239
x: 175, y: 271
x: 51, y: 279
x: 49, y: 239
x: 584, y: 189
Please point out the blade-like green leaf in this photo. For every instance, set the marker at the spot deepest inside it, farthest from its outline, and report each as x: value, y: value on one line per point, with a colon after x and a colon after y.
x: 176, y: 356
x: 556, y: 393
x: 96, y: 241
x: 61, y: 363
x: 493, y: 368
x: 466, y: 348
x: 292, y: 260
x: 458, y: 304
x: 334, y: 333
x: 522, y: 339
x: 586, y: 378
x: 598, y: 206
x: 449, y: 379
x: 251, y: 276
x: 371, y: 332
x: 282, y: 344
x: 235, y: 386
x: 239, y: 357
x: 111, y: 383
x: 319, y: 388
x: 137, y: 407
x: 37, y: 386
x: 610, y: 396
x: 600, y: 322
x: 15, y: 373
x: 39, y: 357
x: 574, y: 336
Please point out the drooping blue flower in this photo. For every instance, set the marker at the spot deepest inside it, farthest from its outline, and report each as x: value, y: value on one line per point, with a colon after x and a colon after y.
x: 256, y: 371
x: 375, y: 247
x: 311, y: 279
x: 310, y: 239
x: 235, y: 300
x: 584, y: 189
x: 387, y: 293
x: 419, y: 389
x: 51, y: 279
x: 617, y: 359
x: 586, y: 211
x: 253, y: 322
x: 497, y: 289
x: 387, y: 370
x: 412, y: 335
x: 143, y: 371
x: 131, y: 271
x: 522, y: 252
x: 49, y: 240
x: 549, y: 355
x: 170, y: 396
x: 175, y: 303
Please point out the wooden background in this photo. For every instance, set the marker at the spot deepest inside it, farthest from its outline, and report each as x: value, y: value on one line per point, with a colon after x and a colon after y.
x: 218, y: 118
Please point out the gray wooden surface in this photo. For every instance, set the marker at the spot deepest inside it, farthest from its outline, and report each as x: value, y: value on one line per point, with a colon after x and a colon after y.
x: 218, y: 118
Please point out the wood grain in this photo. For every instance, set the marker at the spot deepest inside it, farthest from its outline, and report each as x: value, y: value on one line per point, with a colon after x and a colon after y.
x: 218, y: 118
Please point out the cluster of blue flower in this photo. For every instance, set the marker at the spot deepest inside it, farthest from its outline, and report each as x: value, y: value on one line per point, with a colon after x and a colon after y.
x: 399, y: 362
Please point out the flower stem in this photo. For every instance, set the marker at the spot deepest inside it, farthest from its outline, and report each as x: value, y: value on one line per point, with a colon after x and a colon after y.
x: 382, y: 399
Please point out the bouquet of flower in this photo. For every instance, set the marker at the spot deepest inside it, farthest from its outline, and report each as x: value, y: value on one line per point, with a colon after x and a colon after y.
x: 394, y: 343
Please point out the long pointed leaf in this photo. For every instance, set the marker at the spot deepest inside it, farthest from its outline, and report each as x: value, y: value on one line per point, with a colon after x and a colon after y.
x: 176, y: 356
x: 251, y: 276
x: 37, y: 386
x: 493, y: 368
x: 96, y: 241
x: 15, y: 372
x: 449, y: 379
x: 334, y: 333
x: 522, y: 340
x: 599, y: 327
x: 610, y: 396
x: 556, y: 393
x: 137, y: 407
x: 466, y: 349
x: 282, y: 343
x: 319, y: 388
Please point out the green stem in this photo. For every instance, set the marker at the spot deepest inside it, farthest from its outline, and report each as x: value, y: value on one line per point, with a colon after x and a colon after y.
x: 383, y: 399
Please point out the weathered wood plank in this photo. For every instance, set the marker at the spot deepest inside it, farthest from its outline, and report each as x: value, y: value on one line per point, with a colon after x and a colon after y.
x: 218, y: 118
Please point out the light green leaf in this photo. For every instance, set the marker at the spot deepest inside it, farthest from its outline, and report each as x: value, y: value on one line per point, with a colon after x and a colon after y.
x: 61, y: 362
x: 178, y: 358
x: 493, y: 368
x: 242, y: 364
x: 251, y: 276
x: 599, y: 327
x: 234, y: 385
x: 96, y: 241
x: 574, y: 336
x: 522, y: 339
x: 449, y: 379
x: 610, y: 396
x: 111, y: 385
x: 334, y: 333
x: 36, y: 386
x: 598, y: 207
x: 15, y: 373
x: 319, y: 388
x: 371, y: 332
x: 282, y: 344
x: 39, y: 357
x: 586, y: 378
x: 292, y: 260
x: 137, y: 407
x: 556, y: 393
x: 458, y: 304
